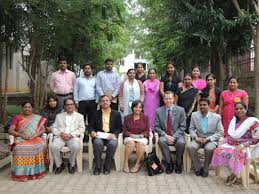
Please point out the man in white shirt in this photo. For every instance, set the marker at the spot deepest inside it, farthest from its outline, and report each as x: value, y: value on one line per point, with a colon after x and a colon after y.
x: 67, y: 128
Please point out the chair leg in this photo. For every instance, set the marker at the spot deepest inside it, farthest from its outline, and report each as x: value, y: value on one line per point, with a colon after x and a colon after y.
x: 122, y: 157
x: 244, y: 178
x: 79, y: 159
x: 217, y: 171
x: 117, y: 159
x: 51, y: 161
x: 185, y: 160
x: 90, y: 155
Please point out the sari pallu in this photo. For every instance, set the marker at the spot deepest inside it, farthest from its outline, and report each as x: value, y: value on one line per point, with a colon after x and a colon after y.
x: 29, y: 156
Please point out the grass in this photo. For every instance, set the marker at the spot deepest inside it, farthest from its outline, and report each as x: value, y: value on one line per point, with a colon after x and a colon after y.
x: 13, y: 110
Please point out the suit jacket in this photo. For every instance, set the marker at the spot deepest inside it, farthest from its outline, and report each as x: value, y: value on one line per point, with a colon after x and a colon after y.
x: 115, y: 123
x: 178, y: 121
x: 215, y: 127
x: 77, y: 127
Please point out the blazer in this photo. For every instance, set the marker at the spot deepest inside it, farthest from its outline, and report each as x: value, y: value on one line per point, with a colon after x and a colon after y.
x: 205, y: 94
x: 115, y: 124
x: 178, y: 121
x: 77, y: 127
x: 215, y: 127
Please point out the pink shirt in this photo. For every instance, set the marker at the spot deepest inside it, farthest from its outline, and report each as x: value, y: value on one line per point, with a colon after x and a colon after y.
x: 200, y: 84
x: 62, y: 82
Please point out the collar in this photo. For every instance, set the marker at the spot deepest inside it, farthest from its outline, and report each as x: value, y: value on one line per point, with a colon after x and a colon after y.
x: 207, y: 115
x: 66, y: 71
x: 107, y: 111
x: 90, y: 77
x: 169, y: 108
x: 108, y: 71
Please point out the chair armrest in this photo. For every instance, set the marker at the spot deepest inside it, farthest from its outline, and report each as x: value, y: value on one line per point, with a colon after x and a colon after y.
x: 11, y: 138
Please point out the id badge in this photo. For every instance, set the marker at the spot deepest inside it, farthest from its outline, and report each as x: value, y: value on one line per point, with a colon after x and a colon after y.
x: 237, y: 99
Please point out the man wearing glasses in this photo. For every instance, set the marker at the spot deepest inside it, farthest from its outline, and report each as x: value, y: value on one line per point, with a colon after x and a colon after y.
x: 67, y: 128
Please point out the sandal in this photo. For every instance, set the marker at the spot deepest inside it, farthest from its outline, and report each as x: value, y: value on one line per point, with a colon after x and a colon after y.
x: 231, y: 181
x: 135, y: 169
x: 126, y: 169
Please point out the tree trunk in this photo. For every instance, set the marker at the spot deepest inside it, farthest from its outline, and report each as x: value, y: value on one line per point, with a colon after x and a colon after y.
x: 1, y: 91
x: 8, y: 61
x: 256, y: 77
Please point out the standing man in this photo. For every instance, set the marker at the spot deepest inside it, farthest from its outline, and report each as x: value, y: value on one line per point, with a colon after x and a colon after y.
x: 62, y: 82
x: 140, y: 73
x: 170, y: 124
x: 205, y: 129
x: 85, y: 93
x: 67, y: 128
x: 108, y: 83
x: 108, y: 121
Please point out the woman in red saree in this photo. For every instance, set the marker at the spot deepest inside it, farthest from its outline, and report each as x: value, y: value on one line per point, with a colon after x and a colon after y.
x: 29, y: 149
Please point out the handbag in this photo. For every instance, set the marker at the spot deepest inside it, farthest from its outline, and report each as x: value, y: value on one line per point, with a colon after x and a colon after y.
x: 153, y: 164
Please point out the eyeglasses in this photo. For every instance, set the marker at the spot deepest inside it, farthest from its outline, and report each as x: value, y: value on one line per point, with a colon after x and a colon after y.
x: 69, y: 104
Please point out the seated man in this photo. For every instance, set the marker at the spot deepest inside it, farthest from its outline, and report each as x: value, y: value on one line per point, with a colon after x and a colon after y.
x: 108, y: 121
x: 205, y: 130
x: 170, y: 124
x: 67, y: 128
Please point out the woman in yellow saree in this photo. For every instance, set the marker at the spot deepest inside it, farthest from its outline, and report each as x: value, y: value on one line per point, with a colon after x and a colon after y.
x: 29, y: 149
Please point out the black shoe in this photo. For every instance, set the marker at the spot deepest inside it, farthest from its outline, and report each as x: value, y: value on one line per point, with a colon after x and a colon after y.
x: 178, y: 170
x: 71, y: 169
x: 96, y: 171
x: 106, y: 170
x: 205, y: 174
x: 60, y: 169
x: 169, y: 168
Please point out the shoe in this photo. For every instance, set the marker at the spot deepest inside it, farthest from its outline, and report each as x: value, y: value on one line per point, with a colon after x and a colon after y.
x: 126, y: 169
x: 205, y: 174
x: 106, y: 171
x: 71, y: 169
x: 231, y: 181
x: 60, y: 169
x: 96, y: 171
x: 178, y: 170
x: 169, y: 168
x: 199, y: 172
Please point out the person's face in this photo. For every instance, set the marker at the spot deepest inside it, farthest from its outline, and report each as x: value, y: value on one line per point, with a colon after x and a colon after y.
x: 140, y: 68
x: 27, y: 109
x: 152, y: 74
x: 211, y: 81
x: 187, y: 80
x: 69, y: 106
x: 240, y: 111
x: 62, y: 65
x: 137, y: 109
x: 105, y: 102
x: 108, y: 65
x: 52, y: 103
x: 233, y: 84
x: 170, y: 69
x: 196, y: 72
x: 131, y: 75
x: 87, y: 70
x: 204, y: 107
x: 168, y: 100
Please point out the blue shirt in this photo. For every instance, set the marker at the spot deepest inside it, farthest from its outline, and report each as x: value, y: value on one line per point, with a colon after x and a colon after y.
x: 204, y: 123
x: 85, y: 88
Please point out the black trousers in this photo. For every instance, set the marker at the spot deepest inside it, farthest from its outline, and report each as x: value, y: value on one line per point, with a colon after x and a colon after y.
x: 87, y: 107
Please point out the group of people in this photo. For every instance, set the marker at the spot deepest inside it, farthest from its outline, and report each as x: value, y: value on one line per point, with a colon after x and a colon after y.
x: 137, y: 106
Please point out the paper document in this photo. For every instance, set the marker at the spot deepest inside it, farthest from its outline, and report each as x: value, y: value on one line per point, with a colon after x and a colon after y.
x: 102, y: 135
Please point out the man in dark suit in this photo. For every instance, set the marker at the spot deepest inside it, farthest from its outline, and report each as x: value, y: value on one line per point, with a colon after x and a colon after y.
x: 170, y: 124
x: 108, y: 121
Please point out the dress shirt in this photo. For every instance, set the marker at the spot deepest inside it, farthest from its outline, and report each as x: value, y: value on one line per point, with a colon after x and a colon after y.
x: 85, y: 88
x: 108, y: 80
x: 204, y: 123
x: 62, y: 82
x: 106, y: 120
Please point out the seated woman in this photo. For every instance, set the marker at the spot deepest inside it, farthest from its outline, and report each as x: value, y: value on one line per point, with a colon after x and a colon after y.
x: 29, y: 150
x: 232, y: 154
x: 50, y: 112
x: 135, y: 133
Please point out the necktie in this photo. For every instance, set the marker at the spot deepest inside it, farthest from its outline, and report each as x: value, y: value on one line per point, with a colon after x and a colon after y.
x: 169, y: 127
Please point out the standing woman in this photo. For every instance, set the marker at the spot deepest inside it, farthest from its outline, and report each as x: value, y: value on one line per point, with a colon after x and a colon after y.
x: 171, y: 81
x: 29, y: 150
x: 140, y: 75
x: 130, y: 90
x: 197, y: 81
x: 228, y: 98
x: 212, y: 93
x: 152, y: 97
x: 187, y: 97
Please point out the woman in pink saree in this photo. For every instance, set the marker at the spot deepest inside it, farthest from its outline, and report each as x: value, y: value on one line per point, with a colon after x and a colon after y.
x: 152, y: 97
x: 197, y: 81
x: 29, y: 150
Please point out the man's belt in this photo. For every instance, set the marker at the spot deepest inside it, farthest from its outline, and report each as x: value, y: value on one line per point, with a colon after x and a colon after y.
x: 63, y: 95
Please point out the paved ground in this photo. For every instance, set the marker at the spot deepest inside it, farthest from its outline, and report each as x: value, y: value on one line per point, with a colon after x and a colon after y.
x: 119, y: 182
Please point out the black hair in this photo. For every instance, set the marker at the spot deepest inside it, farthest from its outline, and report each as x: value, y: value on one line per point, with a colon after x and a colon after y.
x: 135, y: 103
x: 151, y: 70
x: 130, y: 70
x: 197, y: 68
x: 107, y: 60
x: 62, y: 58
x: 88, y: 64
x: 210, y: 75
x: 233, y: 77
x: 204, y: 100
x: 52, y: 97
x: 101, y: 97
x: 27, y: 102
x: 248, y: 113
x: 65, y: 101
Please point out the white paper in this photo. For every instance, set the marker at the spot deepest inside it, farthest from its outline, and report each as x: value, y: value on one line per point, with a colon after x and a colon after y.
x: 102, y: 135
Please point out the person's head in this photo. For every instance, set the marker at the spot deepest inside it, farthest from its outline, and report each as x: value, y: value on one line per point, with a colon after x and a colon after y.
x: 140, y: 68
x: 169, y: 98
x: 204, y: 105
x: 196, y: 73
x: 62, y: 63
x: 233, y: 83
x: 241, y: 110
x: 105, y: 102
x: 137, y: 107
x: 211, y: 80
x: 131, y: 74
x: 52, y: 102
x: 187, y: 80
x: 69, y: 105
x: 152, y: 73
x: 27, y: 107
x: 170, y: 68
x: 87, y: 68
x: 108, y: 64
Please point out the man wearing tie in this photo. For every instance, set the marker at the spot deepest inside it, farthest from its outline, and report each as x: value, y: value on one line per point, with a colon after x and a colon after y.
x: 170, y: 124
